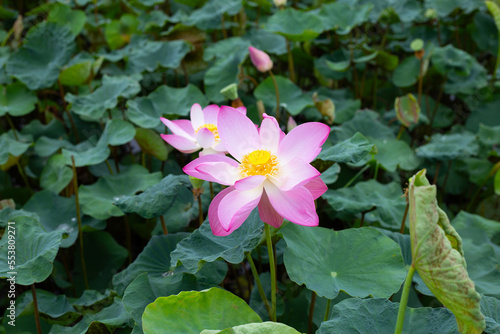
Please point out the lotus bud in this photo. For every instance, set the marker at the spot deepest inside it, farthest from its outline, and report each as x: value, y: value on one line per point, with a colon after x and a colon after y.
x: 407, y: 109
x: 326, y: 108
x: 290, y: 124
x: 260, y: 59
x: 279, y: 3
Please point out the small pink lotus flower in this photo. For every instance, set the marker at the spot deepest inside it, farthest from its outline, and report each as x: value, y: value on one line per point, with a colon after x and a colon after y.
x: 260, y: 59
x: 200, y: 132
x: 271, y: 171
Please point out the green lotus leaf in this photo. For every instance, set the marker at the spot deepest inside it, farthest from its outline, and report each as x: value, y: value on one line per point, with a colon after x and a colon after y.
x: 366, y: 122
x: 55, y: 309
x: 257, y: 328
x: 438, y: 256
x: 193, y: 312
x: 35, y: 250
x: 385, y: 199
x: 92, y: 106
x: 97, y: 199
x: 222, y: 73
x: 64, y: 15
x: 9, y: 145
x: 151, y: 20
x: 56, y: 175
x: 53, y: 129
x: 328, y: 261
x: 209, y: 16
x: 377, y: 315
x: 145, y: 55
x: 393, y: 154
x: 291, y: 97
x: 485, y: 113
x: 490, y: 307
x: 445, y: 8
x: 343, y: 17
x: 449, y: 147
x: 146, y: 111
x: 106, y: 320
x: 118, y: 32
x: 233, y: 45
x: 295, y: 25
x: 350, y: 151
x: 156, y: 200
x: 151, y: 143
x: 489, y: 135
x: 86, y: 154
x: 407, y: 72
x: 46, y: 49
x: 16, y: 100
x: 266, y: 41
x: 118, y: 132
x: 407, y: 109
x: 256, y: 302
x: 202, y: 246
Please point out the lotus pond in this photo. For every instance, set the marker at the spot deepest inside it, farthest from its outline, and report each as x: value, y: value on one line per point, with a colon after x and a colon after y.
x: 249, y: 166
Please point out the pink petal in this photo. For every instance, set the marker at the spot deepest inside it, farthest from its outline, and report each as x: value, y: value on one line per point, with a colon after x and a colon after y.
x: 267, y: 213
x: 210, y: 114
x: 249, y: 183
x: 235, y: 207
x: 220, y: 148
x: 205, y: 138
x: 227, y: 164
x: 242, y: 109
x: 316, y: 187
x: 269, y: 133
x: 197, y: 118
x: 213, y: 216
x: 181, y: 143
x: 208, y: 151
x: 237, y: 132
x: 295, y: 173
x: 296, y: 205
x: 303, y: 142
x: 179, y: 128
x: 219, y: 172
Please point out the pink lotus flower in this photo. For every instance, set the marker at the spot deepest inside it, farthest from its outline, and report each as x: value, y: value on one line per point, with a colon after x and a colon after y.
x: 260, y: 59
x: 199, y: 133
x: 271, y: 171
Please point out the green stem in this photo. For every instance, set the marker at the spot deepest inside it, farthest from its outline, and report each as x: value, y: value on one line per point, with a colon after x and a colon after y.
x: 277, y: 96
x: 79, y: 218
x: 11, y: 126
x: 356, y: 176
x: 163, y: 225
x: 23, y: 175
x: 35, y: 306
x: 327, y: 312
x: 402, y: 230
x: 200, y: 211
x: 420, y: 81
x: 211, y: 190
x: 375, y: 175
x: 291, y: 67
x: 109, y: 167
x: 492, y: 172
x: 311, y: 313
x: 255, y: 274
x: 400, y: 133
x: 404, y: 301
x: 272, y: 268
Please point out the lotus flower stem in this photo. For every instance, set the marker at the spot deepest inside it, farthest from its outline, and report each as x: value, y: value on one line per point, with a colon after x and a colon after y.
x: 404, y: 300
x: 35, y: 306
x: 402, y: 230
x: 291, y: 67
x: 400, y: 133
x: 420, y: 81
x: 200, y: 211
x: 272, y: 268
x: 109, y: 167
x: 14, y: 131
x: 211, y: 185
x: 255, y: 274
x: 79, y: 219
x: 327, y: 312
x: 311, y: 313
x: 65, y: 106
x: 356, y: 176
x: 163, y: 225
x: 277, y: 96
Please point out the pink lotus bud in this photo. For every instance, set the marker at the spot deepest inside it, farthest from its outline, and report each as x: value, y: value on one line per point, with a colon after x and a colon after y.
x: 290, y: 124
x: 260, y: 59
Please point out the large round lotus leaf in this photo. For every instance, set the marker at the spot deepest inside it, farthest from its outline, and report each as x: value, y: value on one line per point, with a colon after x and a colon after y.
x: 291, y: 97
x: 96, y: 200
x: 366, y: 122
x: 295, y: 25
x: 118, y: 32
x: 35, y: 250
x: 53, y: 129
x: 351, y: 151
x: 118, y: 132
x: 192, y: 312
x: 393, y: 154
x: 470, y: 84
x: 256, y: 302
x: 489, y: 135
x: 151, y: 20
x: 366, y: 195
x: 76, y: 74
x: 64, y: 15
x: 449, y: 147
x: 445, y: 8
x: 342, y: 17
x: 85, y: 153
x: 222, y: 73
x: 266, y: 41
x: 256, y: 328
x: 151, y: 143
x: 92, y: 106
x: 146, y: 55
x: 490, y: 307
x: 202, y: 246
x: 16, y: 100
x: 328, y: 261
x: 156, y: 200
x: 353, y: 316
x: 105, y: 321
x: 55, y: 309
x: 56, y: 175
x: 47, y: 47
x: 486, y: 113
x: 406, y: 74
x: 146, y: 111
x: 209, y: 16
x: 233, y: 45
x: 484, y: 32
x: 438, y: 256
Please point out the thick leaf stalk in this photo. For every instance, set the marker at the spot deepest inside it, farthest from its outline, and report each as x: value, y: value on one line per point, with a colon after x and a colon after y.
x: 438, y: 256
x: 495, y: 12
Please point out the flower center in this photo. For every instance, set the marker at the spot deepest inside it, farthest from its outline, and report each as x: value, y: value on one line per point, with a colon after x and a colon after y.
x: 259, y: 162
x: 212, y: 128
